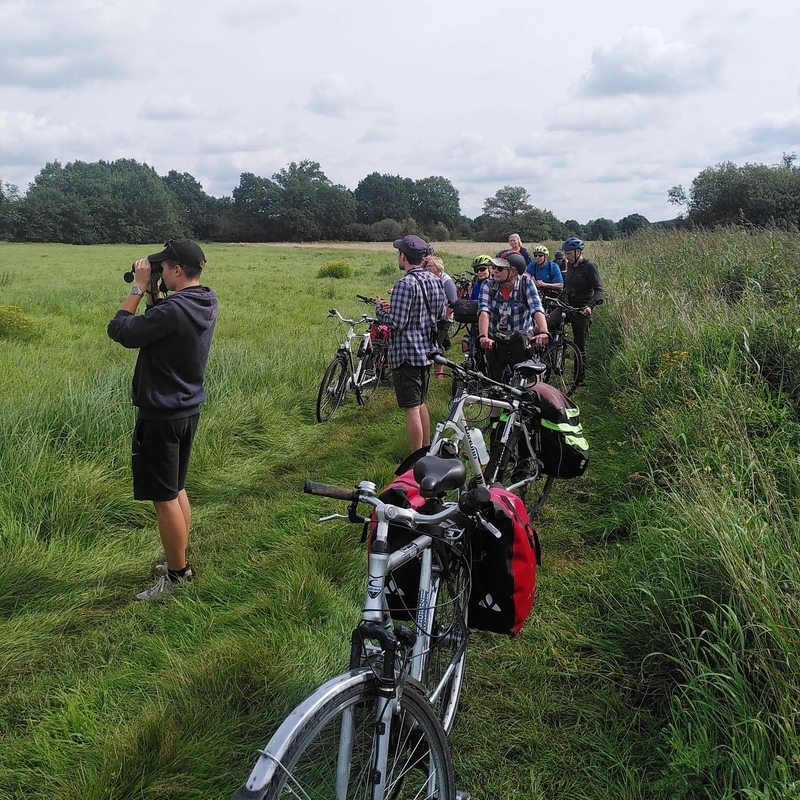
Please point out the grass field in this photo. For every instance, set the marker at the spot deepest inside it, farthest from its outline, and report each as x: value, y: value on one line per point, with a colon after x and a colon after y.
x: 661, y: 659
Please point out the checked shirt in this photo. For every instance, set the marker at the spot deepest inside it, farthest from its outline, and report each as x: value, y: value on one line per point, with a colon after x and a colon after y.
x: 409, y: 319
x: 511, y: 314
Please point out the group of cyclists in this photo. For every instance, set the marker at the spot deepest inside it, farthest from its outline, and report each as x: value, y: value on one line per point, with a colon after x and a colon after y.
x: 501, y: 286
x: 509, y: 289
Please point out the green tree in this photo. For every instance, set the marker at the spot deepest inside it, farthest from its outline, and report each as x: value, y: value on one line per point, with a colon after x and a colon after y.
x: 508, y: 203
x: 601, y: 229
x: 754, y: 193
x: 435, y: 199
x: 383, y: 197
x: 10, y: 218
x: 100, y: 202
x: 202, y: 213
x: 632, y: 223
x: 256, y: 210
x: 311, y: 207
x: 574, y: 228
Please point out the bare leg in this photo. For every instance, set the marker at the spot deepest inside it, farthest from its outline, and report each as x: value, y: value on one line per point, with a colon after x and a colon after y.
x: 174, y: 518
x: 418, y: 427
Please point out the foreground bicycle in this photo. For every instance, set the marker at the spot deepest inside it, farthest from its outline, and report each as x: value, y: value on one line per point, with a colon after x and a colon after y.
x: 379, y: 731
x: 363, y: 376
x: 513, y: 457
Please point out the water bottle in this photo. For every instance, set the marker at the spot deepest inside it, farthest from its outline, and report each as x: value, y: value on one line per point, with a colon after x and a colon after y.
x: 476, y: 435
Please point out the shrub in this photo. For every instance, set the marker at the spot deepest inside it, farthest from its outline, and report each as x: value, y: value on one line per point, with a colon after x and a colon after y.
x: 14, y: 322
x: 335, y: 269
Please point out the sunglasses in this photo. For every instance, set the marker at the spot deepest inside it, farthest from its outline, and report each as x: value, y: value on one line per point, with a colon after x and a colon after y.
x: 482, y: 269
x: 539, y: 255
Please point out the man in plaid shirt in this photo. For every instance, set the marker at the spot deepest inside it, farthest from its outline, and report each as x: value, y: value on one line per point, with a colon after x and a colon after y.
x: 418, y: 301
x: 506, y: 305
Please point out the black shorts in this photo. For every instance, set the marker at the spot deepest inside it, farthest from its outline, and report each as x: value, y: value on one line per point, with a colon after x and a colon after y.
x: 160, y: 456
x: 411, y: 384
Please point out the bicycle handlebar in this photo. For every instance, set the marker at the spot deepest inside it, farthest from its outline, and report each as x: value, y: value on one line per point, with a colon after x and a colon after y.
x: 470, y: 503
x: 370, y: 301
x: 327, y: 490
x: 442, y: 361
x: 364, y: 318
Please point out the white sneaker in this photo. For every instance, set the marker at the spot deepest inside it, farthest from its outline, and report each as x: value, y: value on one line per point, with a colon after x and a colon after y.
x: 163, y: 585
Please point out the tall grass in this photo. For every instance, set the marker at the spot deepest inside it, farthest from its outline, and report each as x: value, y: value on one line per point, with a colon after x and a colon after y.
x: 660, y: 660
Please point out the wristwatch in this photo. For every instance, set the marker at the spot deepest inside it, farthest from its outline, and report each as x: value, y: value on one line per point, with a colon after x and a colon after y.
x: 137, y: 291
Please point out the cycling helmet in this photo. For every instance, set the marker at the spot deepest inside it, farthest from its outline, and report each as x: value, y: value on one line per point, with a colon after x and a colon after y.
x: 573, y: 243
x: 515, y: 259
x: 481, y: 261
x: 541, y: 250
x: 559, y: 255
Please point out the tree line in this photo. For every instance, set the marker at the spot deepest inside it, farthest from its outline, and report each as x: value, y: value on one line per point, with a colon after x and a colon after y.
x: 123, y: 201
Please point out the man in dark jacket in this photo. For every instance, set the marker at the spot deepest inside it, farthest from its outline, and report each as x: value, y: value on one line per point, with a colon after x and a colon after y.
x: 583, y: 289
x: 173, y: 337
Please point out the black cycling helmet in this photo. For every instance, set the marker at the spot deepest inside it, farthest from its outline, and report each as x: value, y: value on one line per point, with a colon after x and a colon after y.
x: 559, y: 255
x: 515, y: 259
x: 573, y: 243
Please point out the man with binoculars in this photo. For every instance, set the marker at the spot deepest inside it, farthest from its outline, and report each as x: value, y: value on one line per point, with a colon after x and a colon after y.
x: 173, y: 337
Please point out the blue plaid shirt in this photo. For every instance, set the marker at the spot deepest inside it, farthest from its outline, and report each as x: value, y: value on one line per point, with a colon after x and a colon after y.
x: 409, y: 320
x: 511, y: 314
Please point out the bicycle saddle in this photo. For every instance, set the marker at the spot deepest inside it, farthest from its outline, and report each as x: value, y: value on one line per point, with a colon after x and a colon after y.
x: 530, y: 368
x: 436, y: 475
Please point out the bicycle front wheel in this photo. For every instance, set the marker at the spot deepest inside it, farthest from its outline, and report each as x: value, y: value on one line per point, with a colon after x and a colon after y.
x: 326, y: 748
x: 332, y: 389
x: 565, y: 366
x: 446, y: 659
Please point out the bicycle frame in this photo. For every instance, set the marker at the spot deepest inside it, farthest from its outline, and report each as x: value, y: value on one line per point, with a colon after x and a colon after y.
x: 458, y: 424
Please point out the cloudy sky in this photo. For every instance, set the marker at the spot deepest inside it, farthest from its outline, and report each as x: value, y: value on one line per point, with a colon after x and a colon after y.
x: 597, y: 109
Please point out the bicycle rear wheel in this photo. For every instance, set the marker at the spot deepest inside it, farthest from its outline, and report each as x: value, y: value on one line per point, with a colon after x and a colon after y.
x: 445, y: 661
x: 332, y: 389
x: 565, y: 366
x: 370, y: 375
x: 325, y: 749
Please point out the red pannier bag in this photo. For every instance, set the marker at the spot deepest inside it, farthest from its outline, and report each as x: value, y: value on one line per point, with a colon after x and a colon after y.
x: 402, y: 586
x: 504, y: 569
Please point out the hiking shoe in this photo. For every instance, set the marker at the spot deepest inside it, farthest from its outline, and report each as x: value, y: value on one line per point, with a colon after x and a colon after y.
x: 161, y: 569
x: 163, y: 585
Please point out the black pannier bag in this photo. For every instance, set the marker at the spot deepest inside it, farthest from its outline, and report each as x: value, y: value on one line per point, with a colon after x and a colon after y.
x: 465, y: 310
x: 564, y: 449
x: 504, y: 569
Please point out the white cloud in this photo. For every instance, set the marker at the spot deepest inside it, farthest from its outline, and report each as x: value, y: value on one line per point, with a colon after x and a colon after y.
x: 641, y: 62
x: 183, y: 107
x: 53, y: 45
x: 259, y: 12
x: 30, y: 139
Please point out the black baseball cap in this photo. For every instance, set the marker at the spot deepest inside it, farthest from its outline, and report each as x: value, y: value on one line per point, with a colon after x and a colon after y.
x: 186, y: 252
x: 413, y: 246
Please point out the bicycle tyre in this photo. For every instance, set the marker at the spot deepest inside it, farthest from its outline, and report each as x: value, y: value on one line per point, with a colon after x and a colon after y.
x: 302, y: 757
x: 445, y: 661
x: 332, y: 389
x: 367, y: 378
x: 565, y: 365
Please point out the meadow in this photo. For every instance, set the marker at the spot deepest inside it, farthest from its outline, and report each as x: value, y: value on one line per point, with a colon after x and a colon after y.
x: 661, y: 658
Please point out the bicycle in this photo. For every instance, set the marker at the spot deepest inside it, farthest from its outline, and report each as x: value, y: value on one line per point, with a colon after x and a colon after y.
x: 379, y: 730
x: 362, y: 377
x: 512, y: 456
x: 561, y: 355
